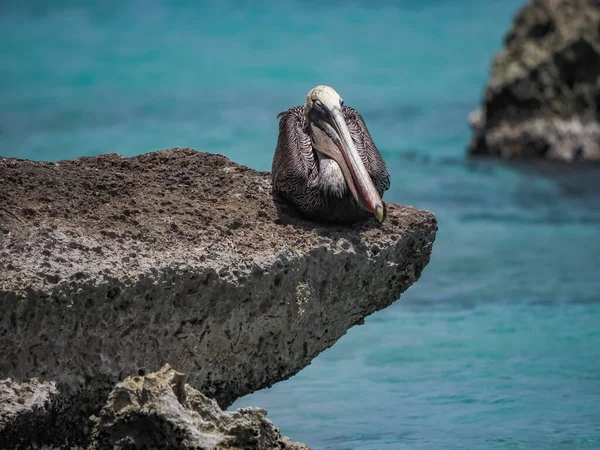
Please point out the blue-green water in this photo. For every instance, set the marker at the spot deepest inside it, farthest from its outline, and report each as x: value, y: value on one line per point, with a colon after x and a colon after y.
x: 498, y: 344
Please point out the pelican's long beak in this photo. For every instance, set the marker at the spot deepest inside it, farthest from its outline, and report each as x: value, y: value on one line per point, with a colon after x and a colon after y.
x: 355, y: 173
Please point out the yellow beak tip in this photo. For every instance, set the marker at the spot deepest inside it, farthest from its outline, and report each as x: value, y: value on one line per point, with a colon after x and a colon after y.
x: 379, y: 213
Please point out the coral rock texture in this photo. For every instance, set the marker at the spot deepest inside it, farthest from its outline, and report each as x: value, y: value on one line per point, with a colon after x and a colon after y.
x: 112, y: 266
x: 160, y: 411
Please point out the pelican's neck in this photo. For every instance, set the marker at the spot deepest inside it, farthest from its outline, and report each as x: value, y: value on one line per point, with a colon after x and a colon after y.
x: 331, y: 177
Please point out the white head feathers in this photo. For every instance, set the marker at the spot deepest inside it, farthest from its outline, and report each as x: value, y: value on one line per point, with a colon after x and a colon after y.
x: 325, y: 95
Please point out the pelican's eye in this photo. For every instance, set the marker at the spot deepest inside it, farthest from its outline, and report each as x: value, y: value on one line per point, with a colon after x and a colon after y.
x: 317, y: 102
x: 341, y: 102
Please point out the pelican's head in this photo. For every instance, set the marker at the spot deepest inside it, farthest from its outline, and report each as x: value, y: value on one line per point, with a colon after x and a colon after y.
x: 322, y: 96
x: 323, y: 108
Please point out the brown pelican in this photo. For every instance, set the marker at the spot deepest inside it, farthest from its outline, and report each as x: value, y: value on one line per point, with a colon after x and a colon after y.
x: 326, y: 164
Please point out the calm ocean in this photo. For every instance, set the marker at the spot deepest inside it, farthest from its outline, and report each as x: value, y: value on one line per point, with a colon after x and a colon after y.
x: 498, y: 344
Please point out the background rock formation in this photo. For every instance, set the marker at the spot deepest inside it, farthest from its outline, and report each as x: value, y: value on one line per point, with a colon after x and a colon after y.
x: 543, y: 97
x: 112, y: 266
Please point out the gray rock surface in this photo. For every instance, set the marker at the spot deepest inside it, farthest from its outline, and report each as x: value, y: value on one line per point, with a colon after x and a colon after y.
x: 25, y: 409
x: 112, y: 266
x: 543, y: 96
x: 161, y: 411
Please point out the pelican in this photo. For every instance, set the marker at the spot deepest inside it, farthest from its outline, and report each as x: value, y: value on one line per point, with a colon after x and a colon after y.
x: 326, y: 165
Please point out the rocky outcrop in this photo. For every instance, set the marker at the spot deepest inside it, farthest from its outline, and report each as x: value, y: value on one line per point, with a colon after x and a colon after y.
x: 112, y: 266
x: 543, y: 97
x: 160, y: 411
x: 27, y: 412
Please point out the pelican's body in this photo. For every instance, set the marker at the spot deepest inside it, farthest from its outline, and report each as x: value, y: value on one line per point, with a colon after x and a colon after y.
x: 326, y: 165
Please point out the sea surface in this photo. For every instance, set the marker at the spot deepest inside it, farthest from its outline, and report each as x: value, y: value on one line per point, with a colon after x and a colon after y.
x: 498, y: 344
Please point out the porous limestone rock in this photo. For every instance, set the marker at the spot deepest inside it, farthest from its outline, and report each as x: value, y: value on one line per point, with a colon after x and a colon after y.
x: 543, y: 96
x: 112, y: 266
x: 25, y: 412
x: 161, y: 411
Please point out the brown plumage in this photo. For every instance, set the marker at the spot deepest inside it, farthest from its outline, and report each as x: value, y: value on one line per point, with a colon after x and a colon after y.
x: 310, y: 181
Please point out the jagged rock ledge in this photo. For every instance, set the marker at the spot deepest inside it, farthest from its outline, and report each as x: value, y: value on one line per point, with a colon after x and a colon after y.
x: 161, y: 411
x: 157, y: 411
x: 113, y: 266
x: 543, y: 97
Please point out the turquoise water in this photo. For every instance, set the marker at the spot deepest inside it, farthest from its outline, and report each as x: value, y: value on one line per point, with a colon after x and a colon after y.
x: 498, y: 344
